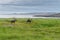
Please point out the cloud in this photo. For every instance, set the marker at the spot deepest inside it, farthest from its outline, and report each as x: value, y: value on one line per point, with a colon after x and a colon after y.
x: 29, y: 5
x: 14, y: 1
x: 30, y: 2
x: 6, y: 1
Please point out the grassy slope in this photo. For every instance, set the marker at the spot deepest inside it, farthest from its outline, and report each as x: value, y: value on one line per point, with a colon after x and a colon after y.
x: 39, y: 29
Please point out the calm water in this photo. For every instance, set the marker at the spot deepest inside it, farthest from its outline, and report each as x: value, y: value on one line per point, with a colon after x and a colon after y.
x: 16, y: 16
x: 24, y: 16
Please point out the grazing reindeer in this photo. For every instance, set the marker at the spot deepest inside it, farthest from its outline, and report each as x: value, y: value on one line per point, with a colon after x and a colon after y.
x: 28, y: 21
x: 13, y: 21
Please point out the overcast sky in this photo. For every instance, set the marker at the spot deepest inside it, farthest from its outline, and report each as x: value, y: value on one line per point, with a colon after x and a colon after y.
x: 11, y: 6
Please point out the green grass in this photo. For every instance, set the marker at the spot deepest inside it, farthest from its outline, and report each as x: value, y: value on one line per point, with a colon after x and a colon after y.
x: 39, y: 29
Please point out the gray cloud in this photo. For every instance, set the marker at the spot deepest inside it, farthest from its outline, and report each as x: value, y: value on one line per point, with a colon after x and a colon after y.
x: 30, y: 2
x: 29, y: 5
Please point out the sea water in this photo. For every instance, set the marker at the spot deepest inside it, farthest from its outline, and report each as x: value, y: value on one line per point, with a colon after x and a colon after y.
x: 24, y: 16
x: 16, y: 16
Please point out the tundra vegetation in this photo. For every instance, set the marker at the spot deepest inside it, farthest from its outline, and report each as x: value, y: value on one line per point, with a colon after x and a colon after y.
x: 38, y: 29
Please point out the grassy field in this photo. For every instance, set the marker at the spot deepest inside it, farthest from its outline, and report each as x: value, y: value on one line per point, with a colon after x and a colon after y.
x: 39, y: 29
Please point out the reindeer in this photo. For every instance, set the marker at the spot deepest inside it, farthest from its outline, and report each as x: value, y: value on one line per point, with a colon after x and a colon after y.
x: 28, y: 21
x: 13, y: 21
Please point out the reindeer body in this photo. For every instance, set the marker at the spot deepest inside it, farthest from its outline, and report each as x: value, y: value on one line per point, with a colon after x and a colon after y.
x: 13, y: 21
x: 29, y: 20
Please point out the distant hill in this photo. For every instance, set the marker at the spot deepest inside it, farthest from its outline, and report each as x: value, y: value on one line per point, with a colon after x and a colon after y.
x: 54, y: 15
x: 50, y: 15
